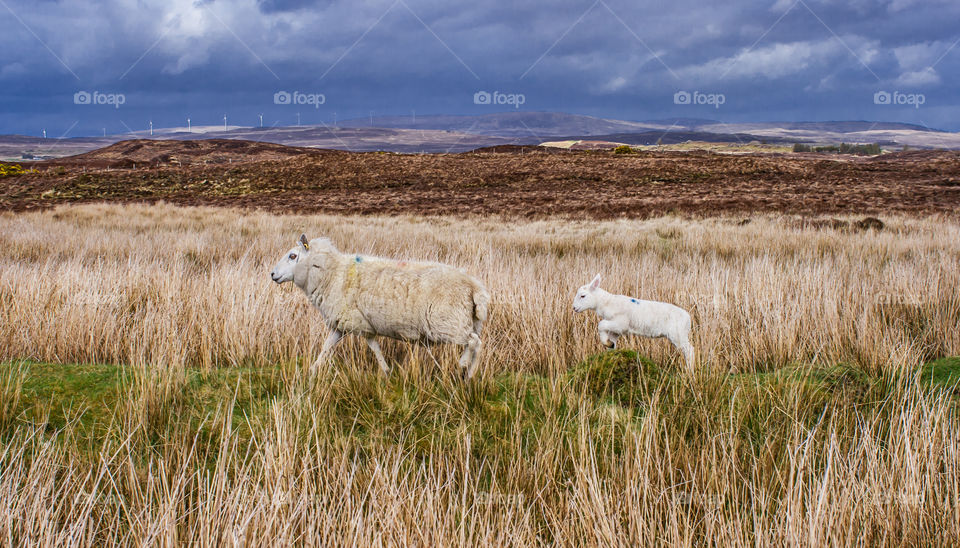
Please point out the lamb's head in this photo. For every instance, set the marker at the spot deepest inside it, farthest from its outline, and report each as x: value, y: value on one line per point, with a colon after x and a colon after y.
x: 283, y: 272
x: 586, y: 298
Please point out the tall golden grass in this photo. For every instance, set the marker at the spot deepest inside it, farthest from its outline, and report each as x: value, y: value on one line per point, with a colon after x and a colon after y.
x: 158, y: 284
x: 739, y: 454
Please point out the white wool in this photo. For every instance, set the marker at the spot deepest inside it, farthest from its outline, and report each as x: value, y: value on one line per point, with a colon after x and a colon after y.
x: 624, y: 315
x: 374, y: 296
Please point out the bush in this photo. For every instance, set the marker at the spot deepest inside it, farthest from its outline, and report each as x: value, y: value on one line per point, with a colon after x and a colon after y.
x: 623, y: 149
x: 844, y: 148
x: 622, y: 376
x: 870, y: 149
x: 8, y: 170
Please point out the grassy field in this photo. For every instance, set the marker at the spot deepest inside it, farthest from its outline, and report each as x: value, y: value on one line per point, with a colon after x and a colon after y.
x: 152, y: 387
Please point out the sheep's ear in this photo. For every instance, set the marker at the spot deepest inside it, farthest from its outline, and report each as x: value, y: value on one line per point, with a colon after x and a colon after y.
x: 303, y: 241
x: 596, y: 282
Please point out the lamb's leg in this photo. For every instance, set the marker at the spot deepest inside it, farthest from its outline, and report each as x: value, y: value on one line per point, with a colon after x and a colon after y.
x: 332, y: 339
x: 608, y: 337
x: 682, y: 343
x: 470, y: 356
x: 375, y: 346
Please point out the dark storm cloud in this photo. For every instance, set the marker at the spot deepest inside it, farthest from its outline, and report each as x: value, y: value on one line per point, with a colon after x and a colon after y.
x: 771, y: 60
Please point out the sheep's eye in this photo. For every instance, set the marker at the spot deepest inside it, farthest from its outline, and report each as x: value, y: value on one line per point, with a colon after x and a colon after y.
x: 293, y: 256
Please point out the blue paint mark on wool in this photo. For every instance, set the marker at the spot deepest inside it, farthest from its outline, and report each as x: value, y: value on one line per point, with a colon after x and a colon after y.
x: 634, y: 301
x: 359, y: 259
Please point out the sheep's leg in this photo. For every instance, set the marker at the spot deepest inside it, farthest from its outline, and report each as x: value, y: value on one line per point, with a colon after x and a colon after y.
x: 471, y: 353
x: 690, y: 356
x: 375, y: 346
x: 332, y: 339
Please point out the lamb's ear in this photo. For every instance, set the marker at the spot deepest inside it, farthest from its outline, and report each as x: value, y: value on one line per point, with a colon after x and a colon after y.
x: 303, y: 241
x: 596, y: 282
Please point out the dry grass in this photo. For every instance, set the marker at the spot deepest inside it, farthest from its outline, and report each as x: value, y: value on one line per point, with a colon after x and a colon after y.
x: 773, y: 442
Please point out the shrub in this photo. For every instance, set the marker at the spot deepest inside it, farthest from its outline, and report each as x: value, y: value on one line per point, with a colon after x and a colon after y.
x: 622, y: 376
x: 623, y: 149
x: 870, y: 149
x: 8, y: 170
x: 846, y: 148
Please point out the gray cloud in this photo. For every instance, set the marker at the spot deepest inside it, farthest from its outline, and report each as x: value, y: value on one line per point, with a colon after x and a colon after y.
x: 774, y: 60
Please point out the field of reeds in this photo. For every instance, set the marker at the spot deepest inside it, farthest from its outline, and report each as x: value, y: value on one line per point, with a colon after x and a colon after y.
x: 152, y: 386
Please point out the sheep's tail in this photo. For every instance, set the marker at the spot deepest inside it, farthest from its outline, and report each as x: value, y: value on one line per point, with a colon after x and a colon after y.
x: 481, y: 305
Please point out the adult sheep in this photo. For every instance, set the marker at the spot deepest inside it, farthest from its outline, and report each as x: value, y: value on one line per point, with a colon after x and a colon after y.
x: 371, y: 296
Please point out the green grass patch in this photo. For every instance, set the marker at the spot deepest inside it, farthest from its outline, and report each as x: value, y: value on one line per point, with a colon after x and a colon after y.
x: 89, y: 397
x: 622, y: 377
x: 942, y: 373
x: 505, y: 417
x: 56, y: 394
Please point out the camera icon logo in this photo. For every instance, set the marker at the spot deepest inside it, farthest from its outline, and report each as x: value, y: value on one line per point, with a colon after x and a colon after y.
x: 81, y: 98
x: 281, y: 98
x: 481, y: 98
x: 681, y: 98
x: 881, y: 98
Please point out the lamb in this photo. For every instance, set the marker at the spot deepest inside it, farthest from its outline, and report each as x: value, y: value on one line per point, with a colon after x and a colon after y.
x: 623, y: 315
x: 371, y: 296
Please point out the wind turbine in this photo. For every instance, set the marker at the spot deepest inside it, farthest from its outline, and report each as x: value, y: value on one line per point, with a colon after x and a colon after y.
x: 261, y: 119
x: 151, y: 128
x: 188, y: 125
x: 44, y: 133
x: 298, y: 119
x: 224, y: 122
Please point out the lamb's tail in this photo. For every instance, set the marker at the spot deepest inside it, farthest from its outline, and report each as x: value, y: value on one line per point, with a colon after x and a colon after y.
x: 481, y: 305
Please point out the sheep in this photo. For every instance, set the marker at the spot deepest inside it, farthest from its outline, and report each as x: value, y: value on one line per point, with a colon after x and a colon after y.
x: 373, y: 296
x: 623, y: 315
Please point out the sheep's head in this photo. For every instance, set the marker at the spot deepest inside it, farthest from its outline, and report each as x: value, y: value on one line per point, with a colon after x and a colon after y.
x: 586, y: 298
x: 283, y: 272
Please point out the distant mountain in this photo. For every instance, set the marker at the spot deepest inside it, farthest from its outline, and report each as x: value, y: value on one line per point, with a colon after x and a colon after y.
x: 353, y: 139
x: 681, y: 135
x: 557, y: 124
x: 442, y: 133
x: 685, y: 123
x: 536, y: 125
x: 830, y: 127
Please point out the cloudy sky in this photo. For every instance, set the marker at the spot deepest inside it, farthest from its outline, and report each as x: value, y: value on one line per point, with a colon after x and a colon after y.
x: 744, y: 60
